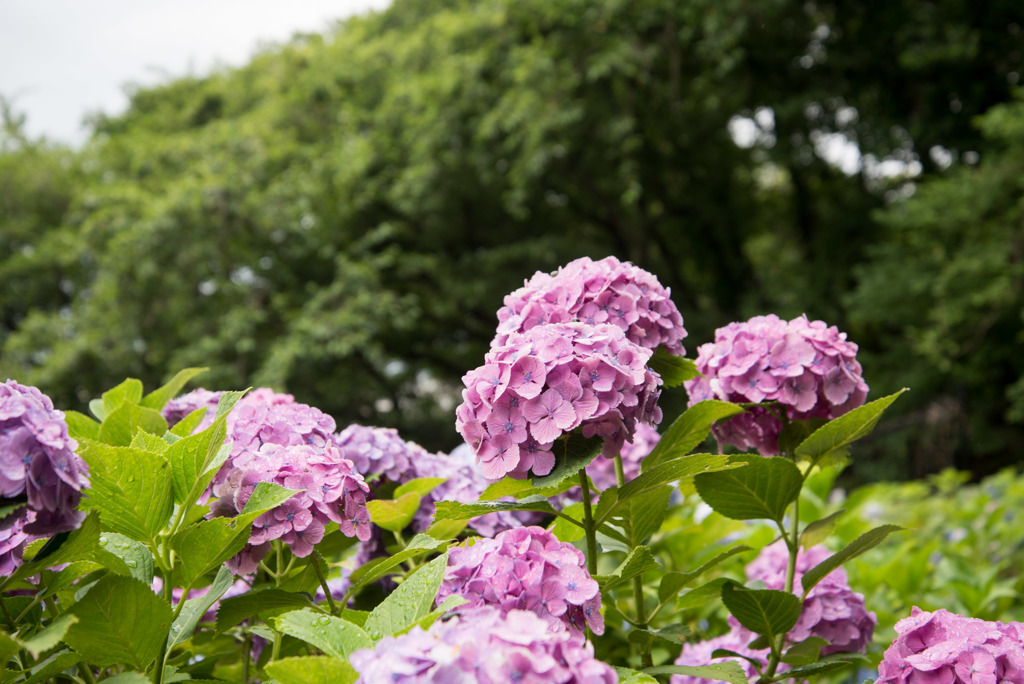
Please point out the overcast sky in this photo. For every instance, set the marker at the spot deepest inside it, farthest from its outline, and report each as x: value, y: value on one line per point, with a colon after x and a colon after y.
x: 61, y: 59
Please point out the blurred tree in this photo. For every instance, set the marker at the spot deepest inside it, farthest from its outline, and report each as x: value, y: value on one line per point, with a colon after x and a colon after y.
x: 341, y: 217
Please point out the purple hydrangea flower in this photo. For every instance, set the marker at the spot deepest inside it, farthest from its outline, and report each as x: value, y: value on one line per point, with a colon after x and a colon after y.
x: 13, y: 539
x: 699, y: 653
x: 946, y: 648
x: 526, y: 569
x: 276, y: 439
x: 545, y: 383
x: 176, y: 409
x: 379, y: 451
x: 596, y: 292
x: 832, y: 610
x: 808, y: 367
x: 38, y: 462
x: 483, y: 645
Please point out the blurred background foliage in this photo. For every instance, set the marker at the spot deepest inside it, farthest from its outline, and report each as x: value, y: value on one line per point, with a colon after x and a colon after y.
x: 341, y: 218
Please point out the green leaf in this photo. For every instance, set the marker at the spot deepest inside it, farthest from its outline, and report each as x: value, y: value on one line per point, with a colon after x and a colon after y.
x: 727, y: 672
x: 334, y: 636
x: 796, y: 431
x: 677, y: 469
x: 453, y: 510
x: 81, y: 426
x: 764, y: 611
x: 819, y: 530
x: 135, y: 555
x: 394, y: 515
x: 96, y: 406
x: 806, y: 652
x: 627, y: 676
x: 14, y: 507
x: 195, y: 608
x: 265, y: 496
x: 127, y: 678
x: 48, y: 638
x: 410, y: 602
x: 121, y: 423
x: 65, y: 547
x: 195, y: 459
x: 120, y: 620
x: 185, y: 426
x: 520, y: 489
x: 702, y: 595
x: 763, y: 488
x: 688, y: 430
x: 564, y: 530
x: 159, y: 397
x: 647, y: 513
x: 673, y: 582
x: 419, y: 485
x: 572, y: 453
x: 444, y: 530
x: 52, y: 666
x: 131, y: 489
x: 237, y: 608
x: 450, y: 602
x: 813, y: 670
x: 844, y: 430
x: 866, y: 541
x: 639, y: 561
x: 129, y: 391
x: 674, y: 370
x: 311, y: 670
x: 149, y: 442
x: 373, y: 571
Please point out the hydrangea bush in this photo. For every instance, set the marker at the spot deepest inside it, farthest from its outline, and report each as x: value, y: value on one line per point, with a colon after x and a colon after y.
x: 242, y: 536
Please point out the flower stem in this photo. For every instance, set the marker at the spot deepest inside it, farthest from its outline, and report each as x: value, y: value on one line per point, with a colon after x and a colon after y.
x: 638, y: 582
x: 588, y: 523
x: 314, y: 561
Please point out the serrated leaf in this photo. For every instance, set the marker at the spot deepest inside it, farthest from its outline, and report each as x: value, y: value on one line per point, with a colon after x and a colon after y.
x: 762, y: 488
x: 844, y: 430
x: 806, y: 652
x: 814, y: 669
x: 642, y: 638
x: 674, y: 370
x: 135, y: 555
x: 120, y: 621
x: 50, y: 637
x: 237, y: 608
x: 639, y: 561
x: 394, y: 514
x: 410, y: 602
x: 572, y: 453
x: 450, y: 602
x: 121, y: 423
x: 676, y: 469
x: 159, y: 397
x: 419, y: 485
x: 627, y: 676
x: 453, y: 510
x: 334, y: 636
x: 148, y: 442
x: 648, y: 512
x: 195, y: 459
x: 265, y: 496
x: 52, y: 666
x: 374, y: 570
x: 444, y: 530
x: 81, y: 426
x: 130, y: 488
x: 796, y: 431
x: 866, y: 541
x: 127, y: 678
x: 311, y: 670
x: 566, y: 531
x: 195, y: 608
x: 673, y: 582
x: 763, y: 611
x: 726, y: 672
x: 819, y: 530
x: 64, y: 547
x: 185, y: 426
x: 520, y: 489
x: 14, y: 506
x: 130, y: 391
x: 688, y: 430
x: 728, y: 653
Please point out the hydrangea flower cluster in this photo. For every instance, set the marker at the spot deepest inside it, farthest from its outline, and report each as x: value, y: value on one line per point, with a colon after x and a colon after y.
x: 176, y: 409
x: 596, y: 292
x: 378, y: 451
x: 483, y: 645
x: 946, y: 648
x: 526, y: 569
x: 276, y: 439
x: 699, y: 653
x: 831, y: 611
x: 38, y: 463
x: 13, y: 539
x: 808, y: 367
x: 548, y: 381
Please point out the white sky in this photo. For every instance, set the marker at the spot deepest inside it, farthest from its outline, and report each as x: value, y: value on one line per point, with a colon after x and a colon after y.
x: 61, y: 59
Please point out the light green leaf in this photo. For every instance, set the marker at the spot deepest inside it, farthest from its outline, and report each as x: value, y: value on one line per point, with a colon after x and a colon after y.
x: 866, y: 541
x: 374, y: 570
x: 81, y: 426
x: 334, y: 636
x: 135, y: 555
x: 762, y: 488
x: 676, y: 469
x: 819, y: 530
x: 131, y: 489
x: 311, y: 670
x: 572, y: 453
x: 48, y: 638
x: 726, y: 672
x: 194, y: 609
x: 120, y: 621
x: 159, y: 397
x: 673, y: 582
x: 121, y: 423
x: 450, y: 602
x: 520, y: 489
x: 627, y: 676
x: 674, y: 370
x: 453, y: 510
x: 564, y: 530
x: 844, y: 430
x: 237, y: 608
x: 688, y: 430
x: 647, y: 513
x: 419, y: 485
x: 127, y: 678
x: 394, y: 515
x: 185, y: 426
x: 64, y: 547
x: 814, y: 669
x: 764, y: 611
x: 806, y: 652
x: 195, y: 459
x: 639, y: 561
x: 129, y: 391
x: 410, y: 602
x: 443, y: 530
x: 149, y: 442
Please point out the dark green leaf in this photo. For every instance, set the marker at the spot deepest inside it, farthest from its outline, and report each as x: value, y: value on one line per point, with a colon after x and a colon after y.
x: 647, y: 513
x: 673, y: 582
x: 410, y: 602
x: 520, y: 489
x: 453, y: 510
x: 702, y: 595
x: 571, y: 454
x: 159, y: 397
x: 726, y: 672
x: 65, y: 547
x: 866, y: 541
x: 120, y: 621
x: 50, y: 637
x: 639, y: 561
x: 812, y: 670
x: 844, y: 430
x: 763, y: 488
x: 763, y: 611
x: 688, y: 430
x: 334, y: 636
x: 674, y: 370
x: 563, y: 529
x: 373, y: 571
x: 52, y: 666
x: 806, y: 652
x: 676, y: 469
x: 311, y: 670
x: 237, y: 608
x: 195, y: 608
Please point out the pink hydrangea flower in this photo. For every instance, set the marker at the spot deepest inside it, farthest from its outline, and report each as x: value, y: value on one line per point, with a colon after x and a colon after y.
x: 526, y: 569
x: 946, y: 648
x: 38, y: 463
x: 596, y: 292
x: 483, y: 645
x: 699, y: 653
x: 574, y: 375
x: 809, y: 368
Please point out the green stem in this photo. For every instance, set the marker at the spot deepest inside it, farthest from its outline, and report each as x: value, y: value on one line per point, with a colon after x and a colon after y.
x: 246, y: 656
x: 276, y: 649
x: 314, y: 559
x: 10, y: 622
x: 87, y: 674
x: 638, y: 582
x: 588, y: 524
